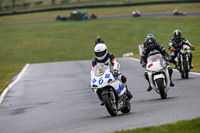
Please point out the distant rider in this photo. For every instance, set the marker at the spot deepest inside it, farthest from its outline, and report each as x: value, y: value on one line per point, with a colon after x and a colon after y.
x: 151, y: 46
x: 98, y: 41
x: 175, y: 45
x: 106, y: 58
x: 176, y: 11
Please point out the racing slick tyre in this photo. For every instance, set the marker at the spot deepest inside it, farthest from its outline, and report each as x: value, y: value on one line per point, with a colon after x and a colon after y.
x: 160, y: 85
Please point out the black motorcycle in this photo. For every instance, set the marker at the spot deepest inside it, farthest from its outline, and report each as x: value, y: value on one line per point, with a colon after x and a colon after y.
x: 183, y: 63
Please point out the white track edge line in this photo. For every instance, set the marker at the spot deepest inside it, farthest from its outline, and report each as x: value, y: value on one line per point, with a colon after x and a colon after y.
x: 14, y: 82
x: 195, y: 73
x: 133, y: 59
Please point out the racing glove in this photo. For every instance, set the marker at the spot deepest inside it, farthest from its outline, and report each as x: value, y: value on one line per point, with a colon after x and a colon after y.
x: 115, y: 74
x: 166, y: 58
x: 172, y: 49
x: 143, y: 65
x: 192, y: 47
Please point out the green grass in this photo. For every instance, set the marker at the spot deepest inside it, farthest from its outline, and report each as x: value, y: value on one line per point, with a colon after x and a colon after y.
x: 74, y: 40
x: 7, y: 71
x: 58, y: 41
x: 189, y: 126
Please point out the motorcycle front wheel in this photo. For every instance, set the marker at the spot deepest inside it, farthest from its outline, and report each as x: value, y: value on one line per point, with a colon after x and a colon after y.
x: 186, y: 71
x: 160, y: 86
x: 110, y: 103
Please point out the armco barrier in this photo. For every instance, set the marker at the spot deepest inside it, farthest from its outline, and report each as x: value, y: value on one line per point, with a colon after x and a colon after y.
x: 101, y: 6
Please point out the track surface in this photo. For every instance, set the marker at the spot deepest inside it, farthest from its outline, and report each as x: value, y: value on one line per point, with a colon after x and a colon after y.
x: 149, y: 15
x: 55, y: 97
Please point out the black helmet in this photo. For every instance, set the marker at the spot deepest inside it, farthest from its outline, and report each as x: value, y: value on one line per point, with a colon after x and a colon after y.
x: 151, y: 42
x: 177, y: 34
x: 98, y: 38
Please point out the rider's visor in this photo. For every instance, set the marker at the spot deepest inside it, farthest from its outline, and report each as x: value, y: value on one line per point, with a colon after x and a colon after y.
x: 100, y: 54
x: 151, y: 44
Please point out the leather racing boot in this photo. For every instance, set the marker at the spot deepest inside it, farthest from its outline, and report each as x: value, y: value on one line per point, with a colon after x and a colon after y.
x: 147, y: 78
x: 170, y: 75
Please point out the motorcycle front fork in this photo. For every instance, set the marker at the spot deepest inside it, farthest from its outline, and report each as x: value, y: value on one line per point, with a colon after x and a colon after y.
x: 181, y: 60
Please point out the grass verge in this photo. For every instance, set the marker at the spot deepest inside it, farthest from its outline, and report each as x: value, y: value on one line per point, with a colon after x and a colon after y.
x: 7, y: 72
x: 189, y: 126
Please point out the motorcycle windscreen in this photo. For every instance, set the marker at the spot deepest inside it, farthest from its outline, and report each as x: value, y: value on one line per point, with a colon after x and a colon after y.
x: 185, y: 49
x: 155, y: 58
x: 99, y: 70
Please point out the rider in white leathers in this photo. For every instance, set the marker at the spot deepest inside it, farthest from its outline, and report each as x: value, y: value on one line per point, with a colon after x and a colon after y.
x: 106, y: 58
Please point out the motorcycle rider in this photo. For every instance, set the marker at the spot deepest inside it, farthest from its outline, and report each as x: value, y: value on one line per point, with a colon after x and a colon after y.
x: 152, y: 45
x: 145, y: 44
x: 175, y: 45
x: 106, y: 58
x: 98, y: 41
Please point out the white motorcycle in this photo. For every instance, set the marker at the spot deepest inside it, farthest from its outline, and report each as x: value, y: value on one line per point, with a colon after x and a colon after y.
x: 110, y: 91
x: 136, y: 14
x: 158, y: 74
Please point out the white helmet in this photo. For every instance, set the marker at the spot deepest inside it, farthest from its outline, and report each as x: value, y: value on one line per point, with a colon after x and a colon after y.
x: 100, y: 51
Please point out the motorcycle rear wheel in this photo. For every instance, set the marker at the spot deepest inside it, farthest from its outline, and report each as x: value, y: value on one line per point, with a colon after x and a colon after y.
x: 160, y: 85
x: 127, y: 107
x: 110, y: 104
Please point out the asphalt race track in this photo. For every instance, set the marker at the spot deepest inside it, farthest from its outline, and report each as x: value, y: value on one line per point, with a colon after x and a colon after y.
x: 150, y: 15
x: 55, y: 97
